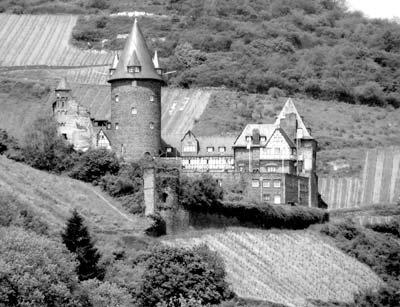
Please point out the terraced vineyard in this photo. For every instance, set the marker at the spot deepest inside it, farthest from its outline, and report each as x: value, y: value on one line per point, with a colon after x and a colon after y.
x: 293, y: 268
x: 379, y: 183
x: 43, y: 40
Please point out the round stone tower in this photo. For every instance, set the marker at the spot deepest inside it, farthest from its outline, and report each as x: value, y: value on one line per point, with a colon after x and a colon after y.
x: 135, y: 101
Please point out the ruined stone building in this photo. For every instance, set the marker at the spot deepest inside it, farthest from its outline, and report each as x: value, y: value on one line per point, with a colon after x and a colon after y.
x: 277, y: 161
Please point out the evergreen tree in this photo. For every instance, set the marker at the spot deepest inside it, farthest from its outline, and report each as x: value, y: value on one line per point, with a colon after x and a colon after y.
x: 77, y: 239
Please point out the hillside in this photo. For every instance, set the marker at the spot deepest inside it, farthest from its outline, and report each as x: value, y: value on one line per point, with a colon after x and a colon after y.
x: 294, y: 268
x: 32, y: 40
x: 53, y: 197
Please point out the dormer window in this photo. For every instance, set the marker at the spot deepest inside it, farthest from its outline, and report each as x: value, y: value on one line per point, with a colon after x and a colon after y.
x: 263, y: 139
x: 111, y: 71
x: 159, y: 71
x: 248, y: 139
x: 169, y: 149
x: 222, y: 149
x: 210, y: 149
x: 108, y: 126
x: 134, y: 69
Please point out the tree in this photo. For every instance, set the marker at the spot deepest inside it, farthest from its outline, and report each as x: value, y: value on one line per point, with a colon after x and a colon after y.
x: 44, y: 149
x: 78, y: 241
x: 35, y: 271
x: 95, y: 163
x: 203, y: 192
x: 173, y: 273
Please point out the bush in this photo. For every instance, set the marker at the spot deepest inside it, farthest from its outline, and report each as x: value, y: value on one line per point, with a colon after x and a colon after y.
x: 173, y: 273
x: 35, y: 271
x: 392, y: 227
x: 158, y: 227
x: 203, y: 192
x: 44, y: 149
x: 94, y: 164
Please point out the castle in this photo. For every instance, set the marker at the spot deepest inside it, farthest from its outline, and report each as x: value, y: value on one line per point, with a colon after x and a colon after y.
x: 275, y: 161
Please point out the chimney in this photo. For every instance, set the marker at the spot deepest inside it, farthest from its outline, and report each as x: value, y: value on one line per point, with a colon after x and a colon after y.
x: 256, y: 136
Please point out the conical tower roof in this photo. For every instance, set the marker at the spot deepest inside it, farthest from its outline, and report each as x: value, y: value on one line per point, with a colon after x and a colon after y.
x: 135, y: 44
x: 156, y: 61
x: 289, y: 108
x: 63, y: 85
x: 134, y: 60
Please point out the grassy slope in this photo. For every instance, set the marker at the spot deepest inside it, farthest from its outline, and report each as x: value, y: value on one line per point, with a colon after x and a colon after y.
x: 287, y: 267
x: 53, y: 197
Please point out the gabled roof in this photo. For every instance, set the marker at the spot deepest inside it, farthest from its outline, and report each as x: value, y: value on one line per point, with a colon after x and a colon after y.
x: 188, y: 133
x: 285, y: 136
x: 135, y: 44
x: 264, y: 130
x: 289, y: 108
x: 216, y: 142
x: 63, y: 85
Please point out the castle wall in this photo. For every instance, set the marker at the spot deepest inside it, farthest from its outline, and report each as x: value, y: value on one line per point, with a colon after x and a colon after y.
x: 136, y: 118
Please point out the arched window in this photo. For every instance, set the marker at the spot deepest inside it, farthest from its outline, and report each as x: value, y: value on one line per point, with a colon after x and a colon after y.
x: 151, y: 125
x: 152, y: 98
x: 116, y: 98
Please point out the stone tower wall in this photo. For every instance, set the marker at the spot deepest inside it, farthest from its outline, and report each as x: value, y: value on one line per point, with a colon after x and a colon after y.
x: 138, y: 133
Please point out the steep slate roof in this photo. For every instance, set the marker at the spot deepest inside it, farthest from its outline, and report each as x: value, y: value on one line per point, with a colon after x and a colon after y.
x: 265, y: 130
x: 63, y: 85
x: 289, y: 108
x: 285, y: 136
x: 216, y: 141
x: 135, y: 44
x: 96, y: 98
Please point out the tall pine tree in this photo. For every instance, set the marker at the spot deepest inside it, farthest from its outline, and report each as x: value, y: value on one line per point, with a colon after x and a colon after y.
x: 77, y: 239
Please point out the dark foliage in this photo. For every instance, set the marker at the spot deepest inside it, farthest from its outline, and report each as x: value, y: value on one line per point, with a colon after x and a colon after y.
x: 174, y: 272
x: 93, y: 164
x: 9, y: 146
x: 203, y: 192
x: 44, y: 149
x: 78, y: 241
x: 313, y: 47
x: 392, y: 227
x: 158, y: 227
x: 204, y: 195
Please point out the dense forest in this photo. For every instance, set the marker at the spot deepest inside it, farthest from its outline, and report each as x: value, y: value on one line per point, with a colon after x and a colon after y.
x: 314, y: 48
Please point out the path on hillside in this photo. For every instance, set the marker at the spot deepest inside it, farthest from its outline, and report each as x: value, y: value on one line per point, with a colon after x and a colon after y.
x: 125, y: 216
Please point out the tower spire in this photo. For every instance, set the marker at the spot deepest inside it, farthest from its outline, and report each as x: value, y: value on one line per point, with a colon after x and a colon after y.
x: 135, y: 44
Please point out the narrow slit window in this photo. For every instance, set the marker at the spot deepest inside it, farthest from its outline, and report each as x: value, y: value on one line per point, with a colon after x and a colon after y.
x: 116, y: 126
x: 152, y: 98
x: 133, y: 111
x: 151, y: 125
x: 116, y: 98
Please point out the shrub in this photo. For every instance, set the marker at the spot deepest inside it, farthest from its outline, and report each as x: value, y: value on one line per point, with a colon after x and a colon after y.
x: 158, y: 227
x: 95, y: 163
x: 172, y: 273
x: 203, y: 192
x: 44, y: 149
x: 35, y: 271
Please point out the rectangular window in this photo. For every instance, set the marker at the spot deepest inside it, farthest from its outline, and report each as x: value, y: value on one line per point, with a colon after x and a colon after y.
x: 130, y: 69
x: 116, y: 126
x: 277, y: 199
x: 137, y: 68
x: 222, y: 149
x: 277, y: 183
x: 169, y: 149
x: 210, y: 149
x: 266, y: 184
x: 151, y: 98
x: 271, y: 169
x: 116, y: 98
x: 108, y: 126
x: 248, y: 139
x: 267, y: 197
x: 255, y: 183
x: 263, y: 139
x: 189, y: 148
